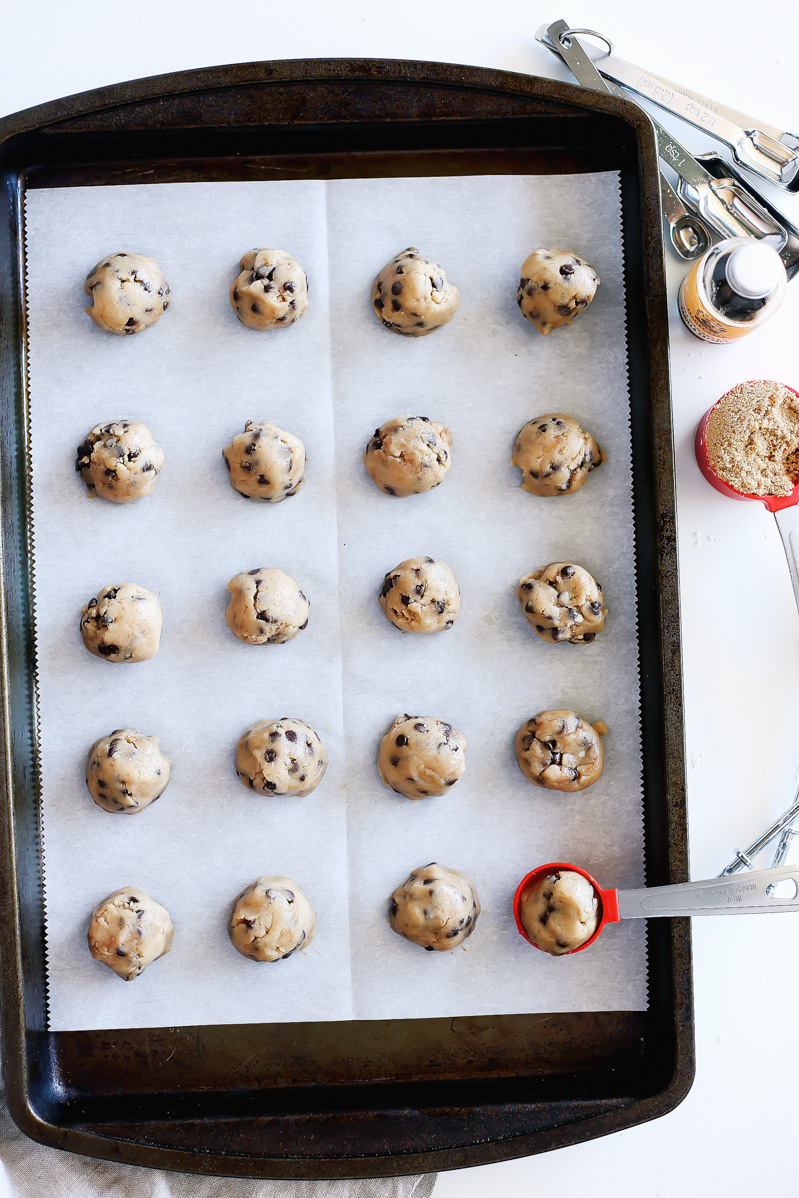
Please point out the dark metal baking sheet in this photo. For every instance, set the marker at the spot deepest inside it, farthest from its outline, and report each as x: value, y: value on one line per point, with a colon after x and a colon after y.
x: 378, y: 1097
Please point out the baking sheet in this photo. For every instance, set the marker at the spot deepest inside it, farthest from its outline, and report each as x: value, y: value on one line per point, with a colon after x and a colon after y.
x: 331, y: 379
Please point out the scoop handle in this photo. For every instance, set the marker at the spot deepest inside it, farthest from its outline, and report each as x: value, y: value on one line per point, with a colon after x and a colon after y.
x: 747, y: 894
x: 788, y: 524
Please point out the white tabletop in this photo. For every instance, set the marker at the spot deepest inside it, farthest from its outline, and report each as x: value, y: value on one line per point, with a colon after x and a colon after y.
x: 740, y: 628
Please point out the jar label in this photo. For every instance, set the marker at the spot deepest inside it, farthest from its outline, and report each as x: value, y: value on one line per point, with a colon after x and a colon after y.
x: 700, y: 321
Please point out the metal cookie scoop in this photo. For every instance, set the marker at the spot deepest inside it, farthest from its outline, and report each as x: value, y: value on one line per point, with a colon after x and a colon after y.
x: 758, y: 893
x: 723, y: 204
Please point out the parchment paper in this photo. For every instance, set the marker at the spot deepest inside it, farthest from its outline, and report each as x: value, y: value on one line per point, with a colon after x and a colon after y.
x: 194, y: 379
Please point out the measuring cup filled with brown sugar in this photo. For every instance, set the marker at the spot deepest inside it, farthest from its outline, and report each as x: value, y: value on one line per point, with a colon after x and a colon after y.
x: 561, y: 909
x: 747, y: 447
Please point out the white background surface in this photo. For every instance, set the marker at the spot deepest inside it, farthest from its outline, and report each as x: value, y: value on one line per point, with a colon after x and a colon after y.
x: 736, y: 1130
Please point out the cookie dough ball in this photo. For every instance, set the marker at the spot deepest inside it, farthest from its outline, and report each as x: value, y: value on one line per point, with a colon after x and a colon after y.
x: 123, y: 623
x: 559, y: 911
x: 411, y: 295
x: 558, y: 750
x: 421, y: 595
x: 556, y: 286
x: 271, y: 919
x: 128, y: 292
x: 127, y: 771
x: 264, y: 462
x: 281, y: 757
x: 271, y: 291
x: 436, y: 907
x: 563, y: 602
x: 421, y: 756
x: 129, y: 930
x: 120, y: 461
x: 554, y: 455
x: 266, y: 607
x: 408, y: 455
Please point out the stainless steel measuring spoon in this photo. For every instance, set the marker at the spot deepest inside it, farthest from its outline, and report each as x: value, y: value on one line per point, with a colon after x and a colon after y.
x: 720, y: 169
x: 765, y: 151
x: 687, y: 233
x: 759, y: 893
x: 723, y: 204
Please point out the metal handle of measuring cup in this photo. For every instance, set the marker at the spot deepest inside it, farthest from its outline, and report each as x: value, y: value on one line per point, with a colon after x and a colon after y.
x: 755, y: 893
x: 722, y: 204
x: 759, y: 151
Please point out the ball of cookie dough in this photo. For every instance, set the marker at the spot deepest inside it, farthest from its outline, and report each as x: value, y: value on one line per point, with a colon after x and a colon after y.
x: 120, y: 461
x: 435, y: 907
x: 421, y: 756
x: 559, y: 911
x: 421, y: 595
x: 264, y: 462
x: 281, y: 757
x: 127, y: 771
x: 123, y: 623
x: 271, y: 919
x: 411, y: 295
x: 271, y: 292
x: 128, y: 292
x: 558, y: 750
x: 556, y: 286
x: 409, y: 455
x: 554, y: 455
x: 266, y: 607
x: 129, y: 930
x: 563, y: 602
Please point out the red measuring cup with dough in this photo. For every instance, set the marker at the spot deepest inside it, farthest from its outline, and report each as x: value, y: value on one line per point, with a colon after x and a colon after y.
x: 756, y: 893
x: 781, y: 506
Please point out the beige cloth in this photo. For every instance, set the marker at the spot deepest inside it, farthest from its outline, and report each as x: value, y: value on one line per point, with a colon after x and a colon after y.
x: 29, y: 1170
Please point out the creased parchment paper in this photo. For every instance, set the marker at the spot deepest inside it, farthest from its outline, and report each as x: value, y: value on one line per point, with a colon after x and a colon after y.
x: 331, y: 379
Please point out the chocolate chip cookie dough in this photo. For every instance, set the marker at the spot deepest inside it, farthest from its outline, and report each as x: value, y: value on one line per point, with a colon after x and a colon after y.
x: 271, y: 291
x: 266, y: 607
x: 120, y: 461
x: 555, y: 286
x: 563, y: 602
x: 559, y: 911
x: 421, y: 756
x: 127, y: 771
x: 412, y: 296
x: 554, y: 455
x: 265, y: 462
x: 408, y: 455
x: 281, y: 757
x: 122, y: 623
x: 421, y: 595
x: 128, y: 293
x: 436, y: 908
x: 271, y: 919
x: 558, y: 750
x: 128, y: 931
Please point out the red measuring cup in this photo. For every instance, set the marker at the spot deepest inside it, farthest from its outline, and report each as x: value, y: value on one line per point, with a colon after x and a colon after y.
x: 608, y: 901
x: 755, y: 893
x: 779, y: 505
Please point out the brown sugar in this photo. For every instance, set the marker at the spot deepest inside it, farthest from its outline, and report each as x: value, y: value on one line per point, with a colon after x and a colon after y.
x: 752, y: 438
